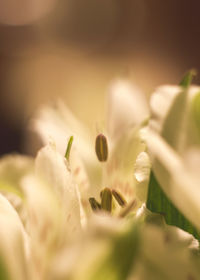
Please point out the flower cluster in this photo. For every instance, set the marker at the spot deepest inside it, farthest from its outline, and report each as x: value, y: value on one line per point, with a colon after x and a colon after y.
x: 120, y: 204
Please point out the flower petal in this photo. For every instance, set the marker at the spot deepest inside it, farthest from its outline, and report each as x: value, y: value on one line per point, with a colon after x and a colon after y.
x: 171, y: 108
x: 120, y: 166
x: 59, y: 124
x: 45, y: 223
x: 142, y: 172
x: 52, y: 169
x: 177, y: 181
x: 126, y: 107
x: 14, y: 247
x: 12, y: 169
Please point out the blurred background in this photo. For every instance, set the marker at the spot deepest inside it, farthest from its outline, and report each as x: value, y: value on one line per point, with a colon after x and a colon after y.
x: 72, y: 49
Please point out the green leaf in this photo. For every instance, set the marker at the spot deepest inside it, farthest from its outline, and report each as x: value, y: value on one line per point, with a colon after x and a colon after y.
x: 187, y: 79
x: 158, y: 202
x: 119, y: 262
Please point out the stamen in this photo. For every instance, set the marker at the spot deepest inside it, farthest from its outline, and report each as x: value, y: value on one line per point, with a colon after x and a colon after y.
x: 95, y: 205
x: 106, y: 200
x: 128, y: 209
x: 101, y: 148
x: 69, y: 145
x: 119, y: 198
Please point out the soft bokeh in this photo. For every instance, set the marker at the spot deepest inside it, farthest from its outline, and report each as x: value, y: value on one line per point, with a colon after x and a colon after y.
x: 73, y: 49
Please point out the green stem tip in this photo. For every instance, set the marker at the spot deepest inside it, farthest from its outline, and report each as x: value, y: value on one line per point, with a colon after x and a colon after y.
x: 187, y: 79
x: 69, y: 146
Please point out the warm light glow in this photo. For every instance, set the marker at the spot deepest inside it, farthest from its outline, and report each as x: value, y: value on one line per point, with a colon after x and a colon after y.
x: 22, y: 12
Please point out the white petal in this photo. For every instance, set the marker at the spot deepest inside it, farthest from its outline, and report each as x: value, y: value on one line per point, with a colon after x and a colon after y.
x: 13, y: 241
x: 171, y: 116
x: 12, y: 169
x: 142, y: 172
x: 45, y: 223
x: 192, y: 160
x: 180, y: 185
x: 52, y: 169
x: 59, y: 124
x: 127, y: 106
x: 120, y: 166
x: 160, y: 103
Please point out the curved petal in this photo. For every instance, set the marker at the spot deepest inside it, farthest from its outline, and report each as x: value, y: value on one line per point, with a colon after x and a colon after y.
x: 44, y: 224
x: 142, y: 173
x: 12, y: 169
x: 178, y: 182
x: 14, y: 247
x: 126, y: 107
x: 59, y: 124
x: 172, y: 117
x: 120, y: 166
x: 52, y: 169
x: 179, y: 135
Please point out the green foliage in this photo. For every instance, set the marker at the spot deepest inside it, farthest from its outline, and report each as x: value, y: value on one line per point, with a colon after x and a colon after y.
x: 158, y: 202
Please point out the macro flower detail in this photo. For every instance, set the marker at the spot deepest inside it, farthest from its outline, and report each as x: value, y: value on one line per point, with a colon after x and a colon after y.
x: 47, y: 204
x: 175, y: 145
x: 116, y: 150
x: 80, y: 210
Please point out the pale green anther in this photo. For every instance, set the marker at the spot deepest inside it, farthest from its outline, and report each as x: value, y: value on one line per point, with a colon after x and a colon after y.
x: 196, y: 109
x: 95, y: 205
x: 187, y: 79
x: 106, y: 200
x: 119, y: 198
x: 101, y: 148
x: 69, y: 145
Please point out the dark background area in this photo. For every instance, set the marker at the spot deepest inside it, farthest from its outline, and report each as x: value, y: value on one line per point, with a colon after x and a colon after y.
x: 154, y: 32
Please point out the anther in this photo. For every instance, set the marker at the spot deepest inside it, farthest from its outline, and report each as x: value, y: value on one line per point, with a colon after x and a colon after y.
x: 106, y: 200
x: 119, y: 198
x: 95, y: 205
x: 101, y: 147
x: 129, y: 207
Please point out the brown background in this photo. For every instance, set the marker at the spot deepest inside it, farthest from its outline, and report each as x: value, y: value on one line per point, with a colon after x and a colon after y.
x: 77, y: 48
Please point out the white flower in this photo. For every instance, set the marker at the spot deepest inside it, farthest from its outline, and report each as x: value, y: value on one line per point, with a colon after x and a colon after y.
x: 47, y: 204
x: 174, y: 141
x: 126, y: 112
x: 42, y: 234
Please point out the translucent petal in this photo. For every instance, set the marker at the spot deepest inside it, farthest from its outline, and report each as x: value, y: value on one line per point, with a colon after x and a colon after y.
x: 171, y: 108
x: 120, y: 167
x: 14, y: 243
x: 142, y: 172
x: 12, y: 169
x: 126, y: 107
x: 59, y: 124
x: 52, y: 169
x: 178, y: 182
